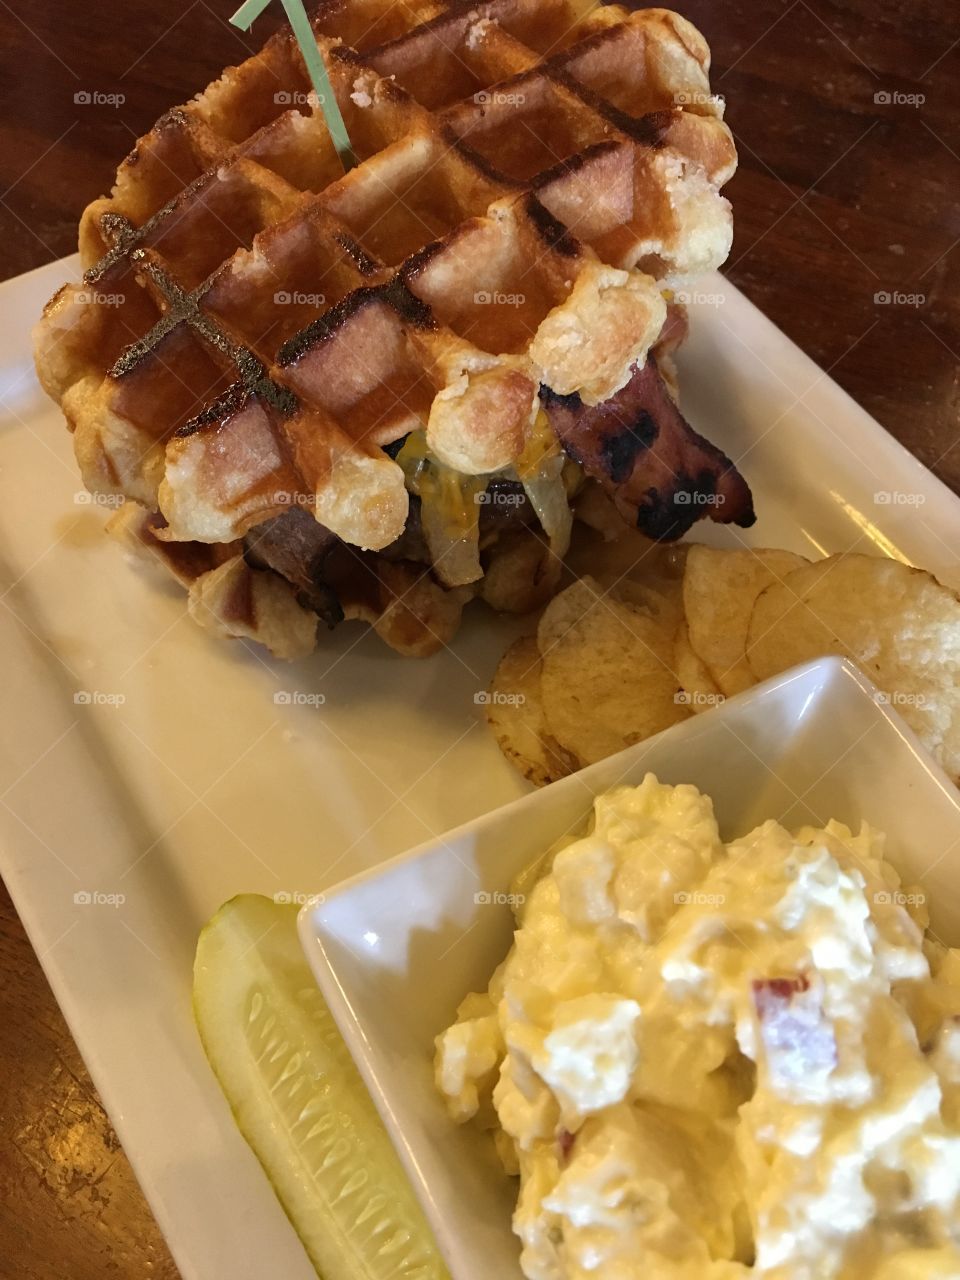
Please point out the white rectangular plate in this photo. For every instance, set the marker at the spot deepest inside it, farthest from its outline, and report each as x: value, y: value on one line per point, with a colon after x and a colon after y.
x: 198, y: 785
x: 396, y: 950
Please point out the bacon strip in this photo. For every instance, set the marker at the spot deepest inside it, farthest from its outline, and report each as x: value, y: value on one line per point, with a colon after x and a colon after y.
x: 661, y: 474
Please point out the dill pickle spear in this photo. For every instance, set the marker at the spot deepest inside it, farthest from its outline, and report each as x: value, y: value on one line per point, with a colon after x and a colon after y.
x: 300, y: 1102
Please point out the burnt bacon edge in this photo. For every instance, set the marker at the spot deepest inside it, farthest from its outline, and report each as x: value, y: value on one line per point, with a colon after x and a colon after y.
x: 622, y: 451
x: 616, y: 457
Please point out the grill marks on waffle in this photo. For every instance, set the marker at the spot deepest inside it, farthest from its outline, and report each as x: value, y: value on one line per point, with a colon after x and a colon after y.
x: 530, y: 273
x: 508, y: 149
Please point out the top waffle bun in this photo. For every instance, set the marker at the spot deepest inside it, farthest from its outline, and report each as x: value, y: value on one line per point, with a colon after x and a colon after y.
x: 255, y: 326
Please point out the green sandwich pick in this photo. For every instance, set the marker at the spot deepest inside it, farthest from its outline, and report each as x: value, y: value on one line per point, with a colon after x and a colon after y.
x: 300, y: 23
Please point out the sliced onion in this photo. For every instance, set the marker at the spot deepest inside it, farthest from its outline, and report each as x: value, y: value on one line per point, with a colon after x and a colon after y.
x: 450, y: 519
x: 548, y: 497
x: 449, y: 513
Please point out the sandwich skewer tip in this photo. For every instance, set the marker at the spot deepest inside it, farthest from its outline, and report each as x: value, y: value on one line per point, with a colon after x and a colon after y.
x: 316, y: 69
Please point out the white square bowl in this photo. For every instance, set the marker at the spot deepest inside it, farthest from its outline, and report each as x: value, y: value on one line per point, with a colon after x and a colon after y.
x: 397, y: 949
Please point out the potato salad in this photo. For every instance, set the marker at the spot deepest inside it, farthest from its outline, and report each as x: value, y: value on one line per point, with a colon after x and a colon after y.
x: 714, y: 1061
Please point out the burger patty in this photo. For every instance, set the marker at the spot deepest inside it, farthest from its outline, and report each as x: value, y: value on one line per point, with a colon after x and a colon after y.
x: 328, y: 575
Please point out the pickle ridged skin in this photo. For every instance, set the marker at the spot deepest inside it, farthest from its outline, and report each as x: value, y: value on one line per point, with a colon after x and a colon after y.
x: 299, y: 1100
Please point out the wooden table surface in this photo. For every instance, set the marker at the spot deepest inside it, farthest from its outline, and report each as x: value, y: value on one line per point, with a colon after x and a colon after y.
x: 845, y: 115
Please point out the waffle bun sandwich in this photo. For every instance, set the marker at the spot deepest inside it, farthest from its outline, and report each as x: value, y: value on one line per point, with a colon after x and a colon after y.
x: 376, y: 394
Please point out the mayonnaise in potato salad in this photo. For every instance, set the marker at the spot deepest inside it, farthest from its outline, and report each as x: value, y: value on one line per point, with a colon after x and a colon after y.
x: 711, y: 1061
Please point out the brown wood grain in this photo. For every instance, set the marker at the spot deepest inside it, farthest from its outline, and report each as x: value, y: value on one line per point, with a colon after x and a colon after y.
x: 844, y: 191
